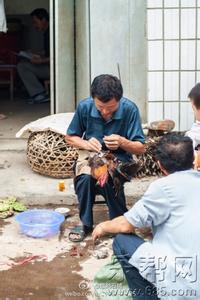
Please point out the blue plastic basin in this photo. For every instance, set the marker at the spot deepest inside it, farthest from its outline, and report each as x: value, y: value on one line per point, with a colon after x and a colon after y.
x: 40, y: 223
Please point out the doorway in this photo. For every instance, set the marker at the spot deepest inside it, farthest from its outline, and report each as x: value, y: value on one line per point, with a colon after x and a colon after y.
x: 21, y: 35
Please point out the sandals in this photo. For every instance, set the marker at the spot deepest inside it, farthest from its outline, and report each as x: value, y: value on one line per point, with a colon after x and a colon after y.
x: 79, y: 232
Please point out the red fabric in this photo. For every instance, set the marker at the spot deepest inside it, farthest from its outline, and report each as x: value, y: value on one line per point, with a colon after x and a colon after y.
x: 9, y: 42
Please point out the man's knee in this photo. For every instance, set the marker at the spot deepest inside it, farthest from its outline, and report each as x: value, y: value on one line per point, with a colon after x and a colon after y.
x: 83, y: 181
x: 22, y: 66
x: 82, y: 178
x: 126, y: 244
x: 118, y: 244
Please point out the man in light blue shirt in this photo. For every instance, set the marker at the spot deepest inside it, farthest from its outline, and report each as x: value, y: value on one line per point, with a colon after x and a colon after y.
x: 170, y: 207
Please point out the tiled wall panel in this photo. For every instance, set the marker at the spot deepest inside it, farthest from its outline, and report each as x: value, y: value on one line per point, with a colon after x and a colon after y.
x: 173, y: 59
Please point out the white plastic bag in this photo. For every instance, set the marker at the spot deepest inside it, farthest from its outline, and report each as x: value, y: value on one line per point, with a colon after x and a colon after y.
x: 57, y: 123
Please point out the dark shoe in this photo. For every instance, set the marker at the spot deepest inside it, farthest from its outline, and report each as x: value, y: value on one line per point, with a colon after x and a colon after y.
x: 44, y: 99
x: 40, y: 98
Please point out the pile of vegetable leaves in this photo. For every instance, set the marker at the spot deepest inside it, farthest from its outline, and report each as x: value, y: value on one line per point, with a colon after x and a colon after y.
x: 10, y: 205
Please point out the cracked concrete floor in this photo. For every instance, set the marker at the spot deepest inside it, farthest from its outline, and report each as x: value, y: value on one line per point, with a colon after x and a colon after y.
x: 58, y: 274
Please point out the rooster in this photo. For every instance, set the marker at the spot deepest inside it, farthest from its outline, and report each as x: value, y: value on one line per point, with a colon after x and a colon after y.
x: 105, y: 164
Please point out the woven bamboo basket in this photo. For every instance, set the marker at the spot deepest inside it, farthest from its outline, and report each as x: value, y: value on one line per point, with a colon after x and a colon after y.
x: 49, y: 154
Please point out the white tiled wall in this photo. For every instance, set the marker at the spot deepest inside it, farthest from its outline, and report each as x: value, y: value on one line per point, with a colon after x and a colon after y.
x: 188, y: 3
x: 171, y: 23
x: 188, y: 23
x: 186, y: 115
x: 187, y: 81
x: 154, y: 3
x: 171, y: 3
x: 171, y: 82
x: 172, y: 112
x: 171, y: 50
x: 155, y: 55
x: 198, y: 56
x: 155, y: 86
x: 198, y: 23
x: 187, y: 55
x: 154, y: 17
x: 155, y: 111
x: 173, y: 30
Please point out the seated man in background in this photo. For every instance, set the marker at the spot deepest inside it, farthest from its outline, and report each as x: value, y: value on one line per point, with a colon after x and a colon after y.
x: 37, y: 68
x: 170, y: 208
x: 104, y: 121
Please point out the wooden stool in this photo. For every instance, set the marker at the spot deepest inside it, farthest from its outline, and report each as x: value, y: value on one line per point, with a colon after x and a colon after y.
x: 10, y: 81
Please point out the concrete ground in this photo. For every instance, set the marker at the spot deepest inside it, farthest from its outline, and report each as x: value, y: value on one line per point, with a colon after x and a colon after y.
x: 18, y: 114
x: 58, y: 269
x: 55, y: 273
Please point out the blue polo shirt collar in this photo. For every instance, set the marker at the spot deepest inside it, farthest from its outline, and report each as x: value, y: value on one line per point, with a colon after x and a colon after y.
x: 117, y: 115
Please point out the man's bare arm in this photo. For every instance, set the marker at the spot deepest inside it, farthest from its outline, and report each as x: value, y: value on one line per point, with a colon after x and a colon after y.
x: 117, y: 225
x: 134, y: 147
x: 77, y: 142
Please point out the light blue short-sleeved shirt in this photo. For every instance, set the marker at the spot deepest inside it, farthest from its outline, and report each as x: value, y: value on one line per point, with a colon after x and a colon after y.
x: 88, y: 123
x: 171, y: 206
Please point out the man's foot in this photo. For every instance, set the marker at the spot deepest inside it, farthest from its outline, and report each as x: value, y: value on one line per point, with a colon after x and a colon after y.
x: 79, y: 232
x: 40, y: 98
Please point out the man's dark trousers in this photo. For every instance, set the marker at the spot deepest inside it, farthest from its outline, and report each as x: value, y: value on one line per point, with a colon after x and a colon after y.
x: 86, y: 189
x: 124, y: 246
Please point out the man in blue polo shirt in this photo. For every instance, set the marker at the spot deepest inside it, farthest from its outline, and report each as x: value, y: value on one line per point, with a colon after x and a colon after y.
x: 104, y: 121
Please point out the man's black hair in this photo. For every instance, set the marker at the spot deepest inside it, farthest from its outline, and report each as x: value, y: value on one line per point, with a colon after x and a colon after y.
x: 175, y: 152
x: 105, y: 87
x: 194, y: 95
x: 40, y: 13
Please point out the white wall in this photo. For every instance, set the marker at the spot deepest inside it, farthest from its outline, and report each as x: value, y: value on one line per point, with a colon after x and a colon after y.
x: 82, y: 50
x: 110, y: 39
x: 62, y: 58
x: 116, y: 36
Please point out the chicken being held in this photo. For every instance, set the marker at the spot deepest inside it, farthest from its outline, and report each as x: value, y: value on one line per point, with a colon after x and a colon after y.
x: 105, y: 164
x: 99, y: 168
